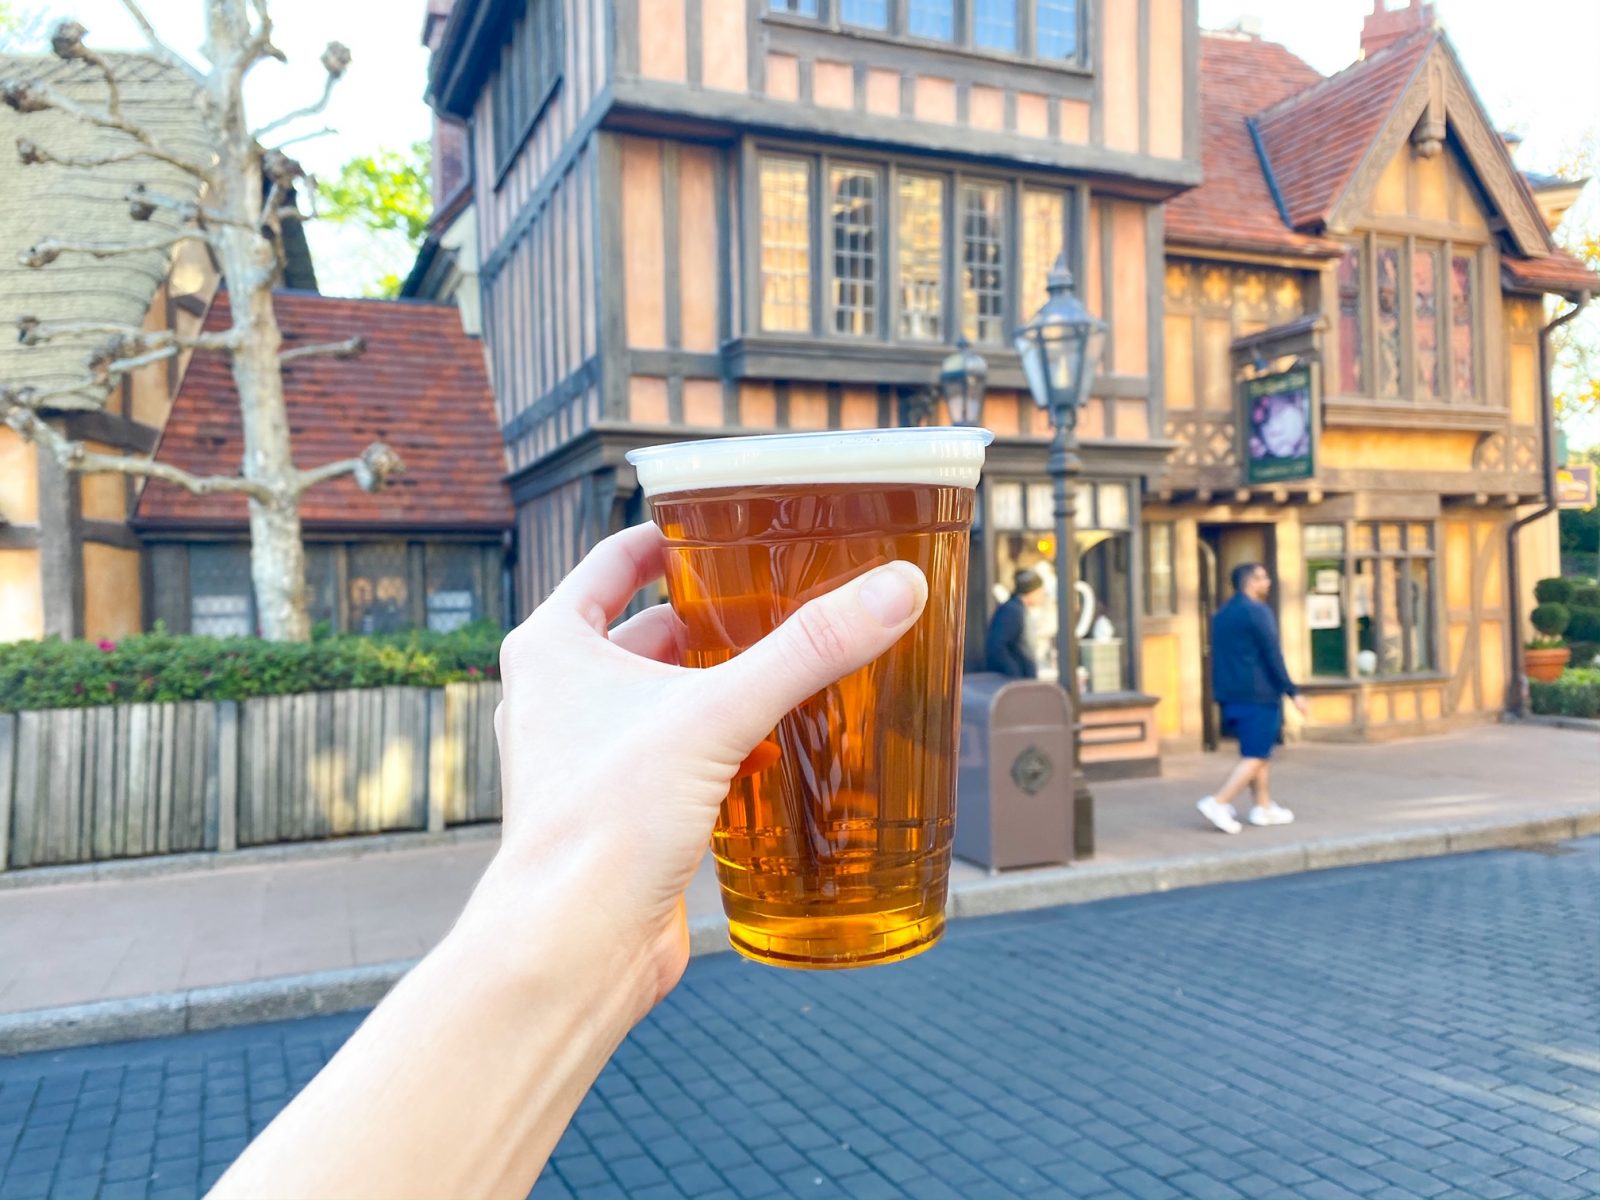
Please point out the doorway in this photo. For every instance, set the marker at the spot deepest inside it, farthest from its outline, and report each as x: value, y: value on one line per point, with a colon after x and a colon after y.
x: 1223, y: 547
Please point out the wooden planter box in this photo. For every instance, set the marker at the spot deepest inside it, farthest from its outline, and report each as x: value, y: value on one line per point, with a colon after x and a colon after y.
x: 123, y: 781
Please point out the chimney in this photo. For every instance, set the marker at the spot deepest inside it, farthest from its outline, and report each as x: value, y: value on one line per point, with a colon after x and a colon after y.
x: 449, y: 135
x: 1384, y: 26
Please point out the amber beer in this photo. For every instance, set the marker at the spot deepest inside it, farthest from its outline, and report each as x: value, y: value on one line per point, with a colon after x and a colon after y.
x: 833, y: 845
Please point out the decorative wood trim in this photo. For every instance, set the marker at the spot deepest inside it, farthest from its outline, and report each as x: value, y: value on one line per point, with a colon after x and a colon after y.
x: 1389, y: 414
x: 110, y: 533
x: 120, y: 432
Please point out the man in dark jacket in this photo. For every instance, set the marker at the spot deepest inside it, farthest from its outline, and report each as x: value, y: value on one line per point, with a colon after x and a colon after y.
x: 1005, y: 646
x: 1249, y: 681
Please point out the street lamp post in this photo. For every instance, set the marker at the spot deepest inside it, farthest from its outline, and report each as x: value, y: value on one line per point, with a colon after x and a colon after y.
x: 1060, y: 349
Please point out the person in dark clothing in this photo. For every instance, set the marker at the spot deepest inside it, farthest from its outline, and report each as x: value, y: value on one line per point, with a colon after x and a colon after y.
x: 1249, y: 681
x: 1005, y: 646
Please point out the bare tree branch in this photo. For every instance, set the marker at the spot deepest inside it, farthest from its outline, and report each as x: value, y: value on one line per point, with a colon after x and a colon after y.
x: 305, y: 137
x: 159, y: 50
x: 74, y: 456
x: 66, y: 40
x: 32, y: 154
x: 143, y: 203
x: 33, y: 332
x: 377, y: 464
x: 33, y: 96
x: 43, y: 253
x: 349, y: 348
x: 85, y: 396
x: 335, y: 60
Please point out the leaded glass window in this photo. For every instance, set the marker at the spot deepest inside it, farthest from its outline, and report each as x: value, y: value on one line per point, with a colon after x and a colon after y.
x: 872, y: 14
x: 1425, y: 320
x: 1044, y: 222
x: 1056, y: 30
x: 1463, y: 338
x: 1388, y: 340
x: 921, y: 266
x: 221, y: 597
x: 452, y: 592
x: 931, y: 19
x: 983, y: 256
x: 853, y: 193
x: 785, y: 245
x: 994, y: 24
x: 1351, y: 377
x: 379, y: 587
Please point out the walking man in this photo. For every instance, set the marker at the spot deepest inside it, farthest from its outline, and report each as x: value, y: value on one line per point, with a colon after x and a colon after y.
x: 1005, y: 645
x: 1249, y: 681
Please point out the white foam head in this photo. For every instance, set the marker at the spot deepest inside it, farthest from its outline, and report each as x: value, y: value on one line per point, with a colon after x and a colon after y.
x: 947, y: 457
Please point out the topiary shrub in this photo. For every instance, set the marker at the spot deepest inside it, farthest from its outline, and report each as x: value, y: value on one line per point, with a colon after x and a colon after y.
x: 1575, y: 694
x: 160, y: 666
x: 1551, y: 620
x: 1554, y: 590
x: 1584, y: 595
x: 1583, y: 624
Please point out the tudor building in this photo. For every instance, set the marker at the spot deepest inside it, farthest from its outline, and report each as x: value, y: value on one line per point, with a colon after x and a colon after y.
x: 699, y: 217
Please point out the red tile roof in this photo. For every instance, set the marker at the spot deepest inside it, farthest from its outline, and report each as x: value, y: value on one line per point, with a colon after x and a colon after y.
x: 1316, y: 139
x: 1557, y: 272
x: 1234, y: 208
x: 421, y: 387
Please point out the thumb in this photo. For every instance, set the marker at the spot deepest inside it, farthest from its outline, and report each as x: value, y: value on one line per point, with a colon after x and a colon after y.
x: 824, y: 640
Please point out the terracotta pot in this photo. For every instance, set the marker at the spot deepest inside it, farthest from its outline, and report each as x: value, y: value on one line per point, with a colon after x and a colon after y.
x: 1546, y: 666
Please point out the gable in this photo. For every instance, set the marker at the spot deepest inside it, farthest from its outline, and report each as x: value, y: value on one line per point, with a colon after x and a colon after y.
x: 1439, y: 117
x: 1440, y: 189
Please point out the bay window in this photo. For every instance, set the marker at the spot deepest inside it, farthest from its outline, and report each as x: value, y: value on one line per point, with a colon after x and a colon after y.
x: 1048, y: 30
x: 921, y: 243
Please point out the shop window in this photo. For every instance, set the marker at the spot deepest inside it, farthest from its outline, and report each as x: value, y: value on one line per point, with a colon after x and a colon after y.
x: 785, y: 245
x: 1160, y: 581
x: 854, y: 221
x: 921, y: 257
x: 1371, y: 589
x: 221, y: 595
x: 453, y: 593
x: 379, y: 599
x: 1023, y: 536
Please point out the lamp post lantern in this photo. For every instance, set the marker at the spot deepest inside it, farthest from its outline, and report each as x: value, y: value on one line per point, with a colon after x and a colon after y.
x: 1061, y: 348
x: 963, y: 379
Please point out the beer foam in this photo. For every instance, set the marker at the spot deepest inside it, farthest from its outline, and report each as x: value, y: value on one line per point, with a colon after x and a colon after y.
x: 948, y: 457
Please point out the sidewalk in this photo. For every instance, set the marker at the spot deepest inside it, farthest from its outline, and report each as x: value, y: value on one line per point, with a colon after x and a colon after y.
x: 188, y: 945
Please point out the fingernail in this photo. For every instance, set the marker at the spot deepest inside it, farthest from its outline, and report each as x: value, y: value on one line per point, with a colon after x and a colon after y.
x: 891, y: 593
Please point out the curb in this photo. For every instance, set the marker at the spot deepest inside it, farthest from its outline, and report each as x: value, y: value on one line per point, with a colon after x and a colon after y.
x: 1586, y: 724
x: 325, y: 992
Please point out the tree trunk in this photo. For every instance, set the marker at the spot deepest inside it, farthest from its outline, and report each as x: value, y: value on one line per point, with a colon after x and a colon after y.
x: 249, y: 266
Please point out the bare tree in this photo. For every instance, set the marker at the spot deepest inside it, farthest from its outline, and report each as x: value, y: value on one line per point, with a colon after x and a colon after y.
x: 244, y: 193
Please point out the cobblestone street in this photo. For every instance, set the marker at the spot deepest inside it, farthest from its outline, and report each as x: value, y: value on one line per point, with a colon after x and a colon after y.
x: 1409, y: 1030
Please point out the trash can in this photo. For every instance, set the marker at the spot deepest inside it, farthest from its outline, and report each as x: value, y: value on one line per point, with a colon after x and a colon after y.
x: 1014, y: 786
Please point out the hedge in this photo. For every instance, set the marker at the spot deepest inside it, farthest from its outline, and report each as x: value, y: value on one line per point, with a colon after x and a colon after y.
x: 162, y: 667
x: 1575, y: 694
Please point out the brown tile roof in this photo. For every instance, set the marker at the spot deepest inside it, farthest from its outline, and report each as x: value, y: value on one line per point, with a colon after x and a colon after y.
x: 1316, y: 139
x: 89, y: 205
x: 1234, y: 208
x: 421, y: 387
x: 1557, y: 272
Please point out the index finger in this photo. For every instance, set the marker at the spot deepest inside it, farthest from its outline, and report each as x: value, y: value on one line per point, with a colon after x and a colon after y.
x: 599, y: 588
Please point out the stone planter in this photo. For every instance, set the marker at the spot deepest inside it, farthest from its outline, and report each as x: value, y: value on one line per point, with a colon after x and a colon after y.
x: 1546, y: 665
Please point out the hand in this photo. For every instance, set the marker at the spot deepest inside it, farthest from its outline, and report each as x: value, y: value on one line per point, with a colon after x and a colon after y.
x: 615, y: 761
x: 1300, y: 703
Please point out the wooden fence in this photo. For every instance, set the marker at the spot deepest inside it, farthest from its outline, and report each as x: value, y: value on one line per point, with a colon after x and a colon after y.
x: 89, y: 784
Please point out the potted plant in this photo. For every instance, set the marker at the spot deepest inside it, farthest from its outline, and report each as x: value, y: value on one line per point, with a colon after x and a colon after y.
x: 1547, y: 654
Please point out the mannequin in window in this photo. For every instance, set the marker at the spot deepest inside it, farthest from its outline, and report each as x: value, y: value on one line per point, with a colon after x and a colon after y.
x: 1005, y: 646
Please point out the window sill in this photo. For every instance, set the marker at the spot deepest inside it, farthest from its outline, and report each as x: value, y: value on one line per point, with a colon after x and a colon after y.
x: 952, y: 48
x: 1330, y: 684
x: 856, y: 360
x: 1348, y: 411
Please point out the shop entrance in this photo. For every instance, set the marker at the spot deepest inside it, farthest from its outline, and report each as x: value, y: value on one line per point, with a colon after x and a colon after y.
x: 1223, y: 547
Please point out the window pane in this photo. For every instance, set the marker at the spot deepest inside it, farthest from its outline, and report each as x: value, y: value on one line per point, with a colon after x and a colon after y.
x: 1350, y: 379
x: 322, y: 586
x: 1005, y: 505
x: 1042, y: 507
x: 1158, y: 583
x: 1364, y: 538
x: 1389, y: 537
x: 800, y: 8
x: 872, y: 13
x: 1324, y: 540
x: 786, y: 245
x: 1032, y: 550
x: 1112, y: 502
x: 994, y: 24
x: 1044, y: 222
x: 854, y: 200
x: 1419, y: 649
x: 1463, y: 353
x: 1388, y: 321
x: 1419, y: 537
x: 922, y: 257
x: 453, y: 593
x: 1391, y: 626
x: 1424, y: 283
x: 1325, y: 599
x: 1361, y: 600
x: 1106, y: 659
x: 983, y: 283
x: 221, y: 602
x: 1057, y: 28
x: 380, y: 587
x: 932, y: 18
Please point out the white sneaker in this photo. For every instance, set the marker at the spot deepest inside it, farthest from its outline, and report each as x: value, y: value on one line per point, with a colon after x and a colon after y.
x: 1220, y: 815
x: 1276, y: 815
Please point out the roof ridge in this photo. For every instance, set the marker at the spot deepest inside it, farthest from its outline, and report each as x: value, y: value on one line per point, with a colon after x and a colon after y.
x: 1327, y: 81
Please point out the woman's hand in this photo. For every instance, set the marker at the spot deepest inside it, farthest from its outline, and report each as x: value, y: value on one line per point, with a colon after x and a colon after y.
x: 615, y: 760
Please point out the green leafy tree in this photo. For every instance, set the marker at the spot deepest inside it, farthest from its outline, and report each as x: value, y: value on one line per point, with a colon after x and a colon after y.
x: 388, y: 194
x: 1576, y: 346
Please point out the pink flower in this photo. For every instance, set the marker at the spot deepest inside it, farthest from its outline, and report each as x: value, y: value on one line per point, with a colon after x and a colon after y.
x: 473, y: 672
x: 111, y: 686
x: 107, y: 645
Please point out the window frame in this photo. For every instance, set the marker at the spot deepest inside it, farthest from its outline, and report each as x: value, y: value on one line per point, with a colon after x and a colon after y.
x: 828, y: 16
x: 1401, y: 557
x: 890, y: 167
x: 538, y: 81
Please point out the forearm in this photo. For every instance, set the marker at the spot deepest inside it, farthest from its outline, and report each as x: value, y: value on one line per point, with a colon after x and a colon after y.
x: 461, y: 1081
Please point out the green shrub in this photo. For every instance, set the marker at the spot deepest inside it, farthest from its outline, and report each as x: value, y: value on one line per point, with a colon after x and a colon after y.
x: 1583, y: 653
x: 1585, y: 595
x: 1554, y: 590
x: 1583, y: 625
x: 161, y: 666
x: 1551, y: 619
x: 1575, y: 694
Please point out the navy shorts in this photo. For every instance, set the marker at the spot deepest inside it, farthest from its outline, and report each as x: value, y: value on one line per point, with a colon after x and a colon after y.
x: 1256, y: 726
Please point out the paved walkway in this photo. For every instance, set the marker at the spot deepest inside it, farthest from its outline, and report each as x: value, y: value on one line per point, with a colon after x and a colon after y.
x: 1412, y: 1031
x: 131, y: 936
